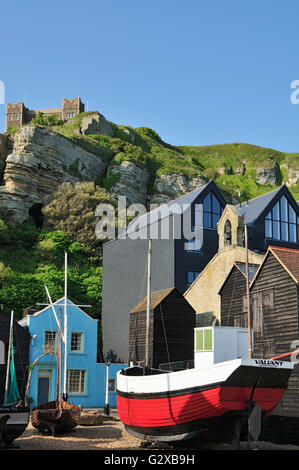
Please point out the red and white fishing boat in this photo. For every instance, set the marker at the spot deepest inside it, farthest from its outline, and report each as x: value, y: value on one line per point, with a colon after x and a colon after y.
x: 216, y: 398
x: 209, y: 400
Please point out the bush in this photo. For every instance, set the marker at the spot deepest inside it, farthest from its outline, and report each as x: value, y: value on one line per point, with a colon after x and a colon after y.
x: 44, y: 120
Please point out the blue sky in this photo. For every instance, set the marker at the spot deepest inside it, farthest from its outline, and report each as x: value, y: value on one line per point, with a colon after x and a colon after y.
x: 198, y: 72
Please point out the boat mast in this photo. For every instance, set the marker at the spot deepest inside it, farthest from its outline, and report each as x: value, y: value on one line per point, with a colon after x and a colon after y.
x: 59, y: 358
x: 148, y: 304
x: 65, y: 327
x: 9, y: 353
x: 248, y: 295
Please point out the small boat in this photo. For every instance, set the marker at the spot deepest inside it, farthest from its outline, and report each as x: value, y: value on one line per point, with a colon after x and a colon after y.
x: 225, y: 393
x: 14, y: 415
x: 57, y: 416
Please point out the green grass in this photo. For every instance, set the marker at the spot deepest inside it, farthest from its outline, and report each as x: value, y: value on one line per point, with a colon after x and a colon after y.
x: 145, y: 148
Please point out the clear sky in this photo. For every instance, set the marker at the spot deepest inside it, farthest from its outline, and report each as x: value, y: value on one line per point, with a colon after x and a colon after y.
x: 198, y: 72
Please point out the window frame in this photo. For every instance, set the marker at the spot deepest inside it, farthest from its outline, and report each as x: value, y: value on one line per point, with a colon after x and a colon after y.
x: 210, y: 213
x: 76, y: 351
x: 282, y: 222
x: 81, y: 381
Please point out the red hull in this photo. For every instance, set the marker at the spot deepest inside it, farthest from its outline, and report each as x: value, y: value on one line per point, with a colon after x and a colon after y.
x: 205, y: 404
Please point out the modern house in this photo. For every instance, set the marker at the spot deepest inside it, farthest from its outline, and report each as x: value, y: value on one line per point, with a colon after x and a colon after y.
x: 184, y: 239
x: 271, y: 219
x: 274, y: 307
x: 86, y: 378
x: 21, y: 345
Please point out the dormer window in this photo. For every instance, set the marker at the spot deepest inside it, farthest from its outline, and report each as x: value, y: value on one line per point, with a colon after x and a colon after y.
x: 281, y: 223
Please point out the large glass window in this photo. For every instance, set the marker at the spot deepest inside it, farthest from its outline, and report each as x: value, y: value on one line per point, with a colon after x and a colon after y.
x: 212, y: 211
x: 281, y: 223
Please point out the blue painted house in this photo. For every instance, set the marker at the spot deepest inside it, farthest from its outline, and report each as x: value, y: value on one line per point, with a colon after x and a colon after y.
x: 86, y: 378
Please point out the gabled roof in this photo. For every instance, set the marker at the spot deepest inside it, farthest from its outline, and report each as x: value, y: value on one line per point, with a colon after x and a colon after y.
x: 287, y: 257
x: 178, y: 206
x: 156, y: 299
x: 24, y: 321
x: 252, y: 269
x: 252, y: 209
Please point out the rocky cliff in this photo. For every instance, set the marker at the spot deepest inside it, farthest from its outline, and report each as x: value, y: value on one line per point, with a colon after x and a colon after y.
x: 134, y: 163
x: 40, y: 160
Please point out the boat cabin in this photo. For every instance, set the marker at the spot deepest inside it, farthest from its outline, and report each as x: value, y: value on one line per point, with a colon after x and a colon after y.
x: 218, y: 344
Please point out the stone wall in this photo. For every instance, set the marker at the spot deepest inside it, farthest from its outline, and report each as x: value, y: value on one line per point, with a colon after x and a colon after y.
x: 203, y: 293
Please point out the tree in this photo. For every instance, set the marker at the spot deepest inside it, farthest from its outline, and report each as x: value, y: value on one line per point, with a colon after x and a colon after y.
x: 72, y: 210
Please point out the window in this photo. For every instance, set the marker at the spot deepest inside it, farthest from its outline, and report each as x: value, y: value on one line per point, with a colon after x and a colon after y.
x: 76, y: 381
x: 10, y: 118
x: 192, y: 275
x: 212, y: 211
x: 69, y: 115
x: 227, y: 233
x: 204, y: 340
x: 50, y: 338
x: 194, y: 244
x: 281, y: 223
x: 111, y: 385
x: 76, y: 342
x: 16, y: 117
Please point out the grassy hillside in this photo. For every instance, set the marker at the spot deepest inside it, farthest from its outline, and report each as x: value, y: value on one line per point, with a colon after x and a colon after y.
x: 31, y: 257
x: 223, y: 163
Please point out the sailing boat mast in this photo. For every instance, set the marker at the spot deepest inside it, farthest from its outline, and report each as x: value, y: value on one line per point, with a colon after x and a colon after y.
x: 9, y: 353
x: 65, y: 327
x: 59, y: 358
x: 248, y: 296
x: 148, y: 303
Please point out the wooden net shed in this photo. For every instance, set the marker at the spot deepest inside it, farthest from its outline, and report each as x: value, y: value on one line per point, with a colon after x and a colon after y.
x: 171, y: 337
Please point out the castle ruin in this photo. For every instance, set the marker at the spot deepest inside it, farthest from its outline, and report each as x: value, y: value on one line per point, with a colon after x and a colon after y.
x: 18, y: 115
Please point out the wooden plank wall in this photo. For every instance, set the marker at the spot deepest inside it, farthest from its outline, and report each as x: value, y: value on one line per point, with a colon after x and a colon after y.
x: 175, y: 324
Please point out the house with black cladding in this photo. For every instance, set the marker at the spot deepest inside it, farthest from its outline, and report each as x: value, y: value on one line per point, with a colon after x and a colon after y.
x: 184, y: 239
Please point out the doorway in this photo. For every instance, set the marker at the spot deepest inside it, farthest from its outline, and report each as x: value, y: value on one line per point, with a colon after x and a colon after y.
x: 43, y: 387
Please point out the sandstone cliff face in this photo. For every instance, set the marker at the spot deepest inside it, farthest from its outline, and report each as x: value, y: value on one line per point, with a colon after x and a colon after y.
x: 39, y: 162
x: 169, y: 187
x: 132, y: 183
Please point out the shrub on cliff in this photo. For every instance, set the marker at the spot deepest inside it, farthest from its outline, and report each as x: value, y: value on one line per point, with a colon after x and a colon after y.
x: 72, y: 210
x: 43, y: 120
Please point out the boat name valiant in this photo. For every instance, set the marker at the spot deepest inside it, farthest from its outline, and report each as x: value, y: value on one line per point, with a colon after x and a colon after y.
x: 268, y: 362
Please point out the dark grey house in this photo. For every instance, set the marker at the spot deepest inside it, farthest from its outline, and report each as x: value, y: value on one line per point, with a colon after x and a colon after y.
x: 184, y: 239
x: 272, y: 219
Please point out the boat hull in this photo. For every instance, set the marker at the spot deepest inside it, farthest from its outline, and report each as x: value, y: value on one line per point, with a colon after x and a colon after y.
x: 13, y: 422
x: 47, y: 418
x: 212, y: 401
